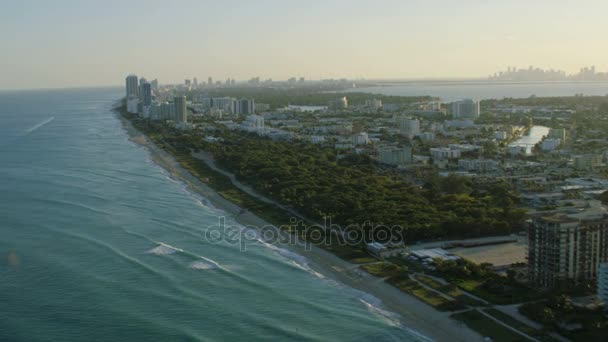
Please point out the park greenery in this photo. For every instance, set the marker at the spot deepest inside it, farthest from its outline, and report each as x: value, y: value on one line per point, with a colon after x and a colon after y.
x: 281, y: 97
x: 559, y: 314
x: 355, y: 190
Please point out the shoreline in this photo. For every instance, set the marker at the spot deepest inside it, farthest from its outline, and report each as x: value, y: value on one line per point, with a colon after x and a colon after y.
x: 415, y: 316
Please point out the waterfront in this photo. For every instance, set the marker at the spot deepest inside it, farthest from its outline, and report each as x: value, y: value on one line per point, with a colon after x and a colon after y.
x: 532, y: 137
x: 103, y: 244
x: 456, y: 90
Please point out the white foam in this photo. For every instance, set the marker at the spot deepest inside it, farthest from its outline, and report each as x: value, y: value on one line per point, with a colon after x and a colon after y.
x: 37, y: 126
x: 374, y: 305
x: 295, y: 259
x: 201, y: 265
x: 211, y: 262
x: 164, y: 249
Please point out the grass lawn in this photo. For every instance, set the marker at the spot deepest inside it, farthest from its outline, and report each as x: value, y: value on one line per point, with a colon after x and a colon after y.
x: 429, y: 297
x: 363, y: 260
x: 487, y: 327
x: 383, y: 269
x: 450, y: 290
x: 539, y: 334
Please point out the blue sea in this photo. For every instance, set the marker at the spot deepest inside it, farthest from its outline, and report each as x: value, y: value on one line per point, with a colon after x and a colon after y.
x: 98, y: 243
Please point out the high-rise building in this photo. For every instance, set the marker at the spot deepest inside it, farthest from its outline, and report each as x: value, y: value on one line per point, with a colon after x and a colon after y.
x: 210, y: 81
x: 602, y: 283
x: 466, y: 109
x: 181, y: 110
x: 142, y: 81
x: 132, y: 89
x: 567, y: 247
x: 244, y: 107
x: 154, y: 84
x: 146, y: 96
x: 195, y: 82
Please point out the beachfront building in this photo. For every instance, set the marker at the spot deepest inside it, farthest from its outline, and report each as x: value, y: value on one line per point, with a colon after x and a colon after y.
x: 181, y: 110
x: 567, y: 247
x: 131, y: 86
x: 465, y: 109
x: 602, y: 283
x: 146, y: 94
x: 132, y: 90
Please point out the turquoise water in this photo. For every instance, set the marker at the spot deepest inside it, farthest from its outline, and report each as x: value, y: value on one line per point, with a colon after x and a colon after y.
x: 84, y: 215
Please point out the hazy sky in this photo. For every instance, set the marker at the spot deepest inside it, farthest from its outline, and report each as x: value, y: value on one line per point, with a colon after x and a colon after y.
x: 85, y: 43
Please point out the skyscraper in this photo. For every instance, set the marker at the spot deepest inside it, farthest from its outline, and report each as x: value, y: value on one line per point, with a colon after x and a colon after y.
x: 181, y: 111
x: 142, y: 80
x: 146, y: 94
x: 602, y: 283
x: 132, y: 89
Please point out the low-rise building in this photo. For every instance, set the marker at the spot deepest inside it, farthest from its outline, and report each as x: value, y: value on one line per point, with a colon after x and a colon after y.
x: 360, y: 138
x: 587, y: 162
x: 397, y: 156
x: 550, y: 144
x: 477, y: 165
x: 445, y: 153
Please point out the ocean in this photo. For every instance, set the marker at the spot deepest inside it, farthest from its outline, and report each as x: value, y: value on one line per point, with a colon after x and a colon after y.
x: 482, y: 90
x: 100, y: 243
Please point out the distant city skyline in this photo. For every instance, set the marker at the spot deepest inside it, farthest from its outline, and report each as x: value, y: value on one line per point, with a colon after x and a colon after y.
x: 77, y: 44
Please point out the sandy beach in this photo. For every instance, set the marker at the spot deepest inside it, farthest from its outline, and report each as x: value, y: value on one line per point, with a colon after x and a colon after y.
x: 413, y: 314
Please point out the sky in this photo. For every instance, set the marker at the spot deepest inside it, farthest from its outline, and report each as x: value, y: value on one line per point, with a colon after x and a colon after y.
x: 60, y: 43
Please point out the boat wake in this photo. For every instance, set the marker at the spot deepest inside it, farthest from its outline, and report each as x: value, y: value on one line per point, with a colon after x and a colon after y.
x: 37, y: 126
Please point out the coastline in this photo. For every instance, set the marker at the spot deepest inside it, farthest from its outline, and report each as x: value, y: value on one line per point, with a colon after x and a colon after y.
x: 415, y: 315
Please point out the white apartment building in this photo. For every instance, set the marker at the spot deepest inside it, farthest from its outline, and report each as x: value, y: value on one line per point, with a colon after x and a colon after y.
x: 360, y: 138
x: 408, y: 126
x: 445, y: 153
